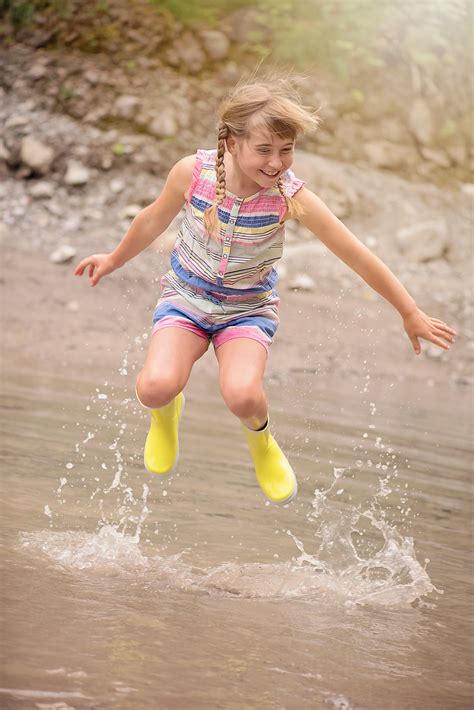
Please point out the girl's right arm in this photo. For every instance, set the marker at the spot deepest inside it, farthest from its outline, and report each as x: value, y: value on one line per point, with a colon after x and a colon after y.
x: 147, y: 225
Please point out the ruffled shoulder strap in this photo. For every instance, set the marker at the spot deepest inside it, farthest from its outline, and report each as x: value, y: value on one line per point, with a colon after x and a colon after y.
x: 291, y: 184
x: 205, y: 163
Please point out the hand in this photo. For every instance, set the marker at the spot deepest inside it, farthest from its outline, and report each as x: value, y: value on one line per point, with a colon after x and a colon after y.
x: 99, y: 265
x: 418, y: 325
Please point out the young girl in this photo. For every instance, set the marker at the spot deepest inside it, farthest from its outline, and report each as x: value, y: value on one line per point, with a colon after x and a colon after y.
x: 221, y: 285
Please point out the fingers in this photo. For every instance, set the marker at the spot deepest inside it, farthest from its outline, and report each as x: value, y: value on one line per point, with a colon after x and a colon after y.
x: 437, y: 341
x: 79, y: 270
x: 442, y: 326
x: 82, y: 266
x: 416, y: 344
x: 443, y: 334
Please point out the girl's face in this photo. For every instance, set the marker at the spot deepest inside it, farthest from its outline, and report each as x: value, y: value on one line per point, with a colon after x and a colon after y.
x: 262, y: 157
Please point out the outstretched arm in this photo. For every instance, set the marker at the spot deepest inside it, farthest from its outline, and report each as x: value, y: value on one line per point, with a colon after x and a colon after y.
x: 146, y: 226
x: 319, y: 219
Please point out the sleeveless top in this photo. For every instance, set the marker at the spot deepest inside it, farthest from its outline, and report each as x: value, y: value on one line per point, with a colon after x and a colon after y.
x: 251, y: 232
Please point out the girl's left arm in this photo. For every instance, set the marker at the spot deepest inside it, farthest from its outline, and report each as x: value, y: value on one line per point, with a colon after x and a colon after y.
x: 319, y: 219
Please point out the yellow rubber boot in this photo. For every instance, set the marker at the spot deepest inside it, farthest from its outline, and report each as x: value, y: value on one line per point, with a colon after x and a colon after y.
x: 274, y: 473
x: 162, y: 444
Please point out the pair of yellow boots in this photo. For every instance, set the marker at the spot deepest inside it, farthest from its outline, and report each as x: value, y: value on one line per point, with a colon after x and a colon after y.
x: 274, y: 474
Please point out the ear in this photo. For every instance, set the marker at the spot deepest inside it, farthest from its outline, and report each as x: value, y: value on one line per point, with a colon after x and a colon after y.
x: 231, y: 144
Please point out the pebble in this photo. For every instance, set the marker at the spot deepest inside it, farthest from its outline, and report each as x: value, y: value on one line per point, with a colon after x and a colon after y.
x: 76, y: 174
x: 117, y: 185
x: 302, y: 282
x: 42, y: 190
x: 130, y: 211
x: 62, y: 254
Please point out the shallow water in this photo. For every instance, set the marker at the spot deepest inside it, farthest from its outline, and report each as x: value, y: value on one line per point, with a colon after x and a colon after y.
x: 121, y: 590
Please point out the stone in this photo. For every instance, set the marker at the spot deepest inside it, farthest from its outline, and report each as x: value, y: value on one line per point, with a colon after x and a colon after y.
x: 457, y: 153
x: 116, y: 185
x: 421, y: 122
x: 36, y: 155
x: 62, y: 254
x: 423, y: 241
x: 215, y: 43
x: 37, y: 71
x: 438, y: 157
x: 76, y: 174
x: 126, y: 106
x: 130, y: 211
x: 42, y: 190
x: 164, y: 125
x: 17, y: 122
x: 190, y: 53
x: 384, y: 154
x: 301, y: 282
x: 4, y: 152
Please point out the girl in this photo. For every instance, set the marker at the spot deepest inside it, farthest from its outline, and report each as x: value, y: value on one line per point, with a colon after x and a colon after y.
x: 221, y: 285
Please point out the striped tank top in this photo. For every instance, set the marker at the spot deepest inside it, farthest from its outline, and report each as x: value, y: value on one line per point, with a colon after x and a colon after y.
x: 251, y: 233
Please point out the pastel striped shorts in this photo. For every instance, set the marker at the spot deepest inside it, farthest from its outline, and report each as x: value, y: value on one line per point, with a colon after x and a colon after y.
x: 217, y: 313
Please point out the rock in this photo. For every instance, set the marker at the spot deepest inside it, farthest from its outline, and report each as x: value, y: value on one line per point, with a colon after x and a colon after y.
x: 424, y: 241
x: 36, y: 155
x: 92, y: 76
x: 116, y: 185
x: 467, y: 188
x: 42, y: 190
x: 164, y: 125
x: 76, y: 173
x: 421, y: 122
x: 62, y: 254
x: 301, y: 282
x: 438, y: 157
x: 457, y: 153
x: 72, y: 306
x: 126, y: 106
x: 216, y: 44
x: 130, y: 211
x: 190, y: 53
x: 384, y: 154
x: 4, y: 152
x: 17, y: 122
x: 37, y: 71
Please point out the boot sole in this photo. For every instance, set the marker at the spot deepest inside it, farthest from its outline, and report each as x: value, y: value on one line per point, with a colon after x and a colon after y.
x: 285, y: 501
x: 175, y: 464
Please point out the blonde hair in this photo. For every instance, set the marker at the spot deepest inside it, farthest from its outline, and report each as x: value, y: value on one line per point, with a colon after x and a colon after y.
x: 269, y: 104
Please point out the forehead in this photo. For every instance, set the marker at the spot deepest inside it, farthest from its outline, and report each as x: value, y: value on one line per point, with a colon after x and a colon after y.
x: 259, y: 137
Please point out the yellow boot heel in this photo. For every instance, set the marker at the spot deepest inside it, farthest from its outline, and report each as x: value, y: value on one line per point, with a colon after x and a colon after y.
x: 162, y: 443
x: 274, y: 473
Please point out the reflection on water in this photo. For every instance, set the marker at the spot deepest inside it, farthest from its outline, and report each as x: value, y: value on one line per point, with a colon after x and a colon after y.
x: 125, y: 590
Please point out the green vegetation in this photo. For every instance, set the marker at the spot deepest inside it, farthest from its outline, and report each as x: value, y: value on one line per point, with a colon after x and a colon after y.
x: 191, y: 12
x: 22, y: 12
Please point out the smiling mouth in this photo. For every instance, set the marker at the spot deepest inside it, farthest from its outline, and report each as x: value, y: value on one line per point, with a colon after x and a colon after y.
x: 270, y: 174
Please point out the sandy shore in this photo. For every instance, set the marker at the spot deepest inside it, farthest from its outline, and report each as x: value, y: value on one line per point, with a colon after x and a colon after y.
x: 54, y: 322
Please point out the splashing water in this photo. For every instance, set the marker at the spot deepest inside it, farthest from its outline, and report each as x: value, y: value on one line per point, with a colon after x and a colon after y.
x: 360, y: 558
x: 338, y: 573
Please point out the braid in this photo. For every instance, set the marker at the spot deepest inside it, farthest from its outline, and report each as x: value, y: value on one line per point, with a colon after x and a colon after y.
x: 211, y: 220
x: 294, y: 208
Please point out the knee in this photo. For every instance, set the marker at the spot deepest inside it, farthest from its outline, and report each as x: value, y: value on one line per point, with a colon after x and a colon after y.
x: 243, y: 400
x: 156, y: 389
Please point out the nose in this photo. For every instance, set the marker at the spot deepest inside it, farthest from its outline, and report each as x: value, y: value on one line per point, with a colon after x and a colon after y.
x: 275, y: 163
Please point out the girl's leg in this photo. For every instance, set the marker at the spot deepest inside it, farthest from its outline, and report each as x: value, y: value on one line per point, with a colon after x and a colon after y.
x: 241, y: 368
x: 172, y: 353
x: 170, y: 358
